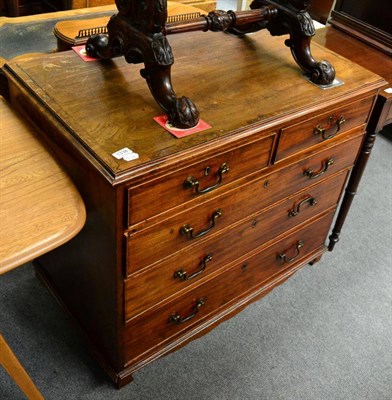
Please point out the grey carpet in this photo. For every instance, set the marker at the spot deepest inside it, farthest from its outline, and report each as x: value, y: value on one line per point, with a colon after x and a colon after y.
x: 37, y: 36
x: 324, y: 334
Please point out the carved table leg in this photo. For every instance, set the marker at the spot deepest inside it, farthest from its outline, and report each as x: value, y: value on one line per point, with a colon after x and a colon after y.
x: 293, y: 19
x: 136, y: 32
x: 322, y: 72
x: 181, y: 112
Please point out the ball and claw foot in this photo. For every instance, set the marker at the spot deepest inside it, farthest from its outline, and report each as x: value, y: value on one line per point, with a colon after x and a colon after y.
x: 185, y: 114
x: 323, y: 74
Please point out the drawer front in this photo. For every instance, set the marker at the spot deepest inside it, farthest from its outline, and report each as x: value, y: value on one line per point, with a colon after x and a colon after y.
x: 322, y: 127
x: 198, y: 180
x: 159, y: 326
x: 178, y: 273
x: 149, y: 245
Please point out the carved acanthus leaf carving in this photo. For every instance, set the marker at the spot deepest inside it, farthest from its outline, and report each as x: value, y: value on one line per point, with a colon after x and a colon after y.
x: 162, y: 51
x: 306, y: 24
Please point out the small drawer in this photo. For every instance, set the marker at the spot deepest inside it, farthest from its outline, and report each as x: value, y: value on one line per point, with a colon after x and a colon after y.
x: 163, y: 324
x: 167, y: 278
x: 163, y: 239
x: 198, y: 180
x: 326, y: 125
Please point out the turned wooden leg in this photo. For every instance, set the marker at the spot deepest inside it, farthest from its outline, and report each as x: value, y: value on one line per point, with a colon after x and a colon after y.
x: 356, y: 174
x: 12, y: 365
x: 351, y: 189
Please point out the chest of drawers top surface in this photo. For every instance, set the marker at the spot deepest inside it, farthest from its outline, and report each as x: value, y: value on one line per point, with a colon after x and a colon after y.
x: 240, y: 86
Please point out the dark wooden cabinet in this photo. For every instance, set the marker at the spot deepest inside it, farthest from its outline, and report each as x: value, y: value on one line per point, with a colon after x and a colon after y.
x: 320, y: 10
x: 161, y: 261
x: 370, y: 21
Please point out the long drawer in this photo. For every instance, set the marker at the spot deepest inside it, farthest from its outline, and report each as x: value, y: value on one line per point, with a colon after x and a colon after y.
x: 163, y: 324
x: 324, y: 126
x: 161, y: 240
x: 148, y: 288
x: 156, y: 196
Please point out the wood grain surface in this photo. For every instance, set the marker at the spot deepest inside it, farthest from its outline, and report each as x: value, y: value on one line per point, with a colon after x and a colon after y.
x: 39, y: 206
x: 225, y: 71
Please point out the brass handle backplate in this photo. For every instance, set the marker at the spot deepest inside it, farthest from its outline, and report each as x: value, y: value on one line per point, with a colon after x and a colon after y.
x: 295, y: 211
x: 187, y: 230
x: 183, y: 275
x: 191, y: 182
x: 313, y: 175
x: 332, y: 128
x: 282, y: 256
x: 177, y: 319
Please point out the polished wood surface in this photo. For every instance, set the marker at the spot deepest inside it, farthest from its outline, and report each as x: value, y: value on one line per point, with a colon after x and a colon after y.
x: 234, y: 73
x: 250, y: 199
x: 245, y: 237
x: 356, y: 50
x: 39, y: 206
x: 143, y: 40
x: 168, y: 194
x: 330, y: 124
x: 367, y: 21
x: 320, y: 10
x: 109, y: 277
x: 153, y: 326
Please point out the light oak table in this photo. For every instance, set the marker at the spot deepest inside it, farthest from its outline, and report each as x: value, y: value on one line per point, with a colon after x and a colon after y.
x: 40, y: 209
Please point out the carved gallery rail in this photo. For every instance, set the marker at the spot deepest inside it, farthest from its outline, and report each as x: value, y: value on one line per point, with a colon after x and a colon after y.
x: 138, y: 32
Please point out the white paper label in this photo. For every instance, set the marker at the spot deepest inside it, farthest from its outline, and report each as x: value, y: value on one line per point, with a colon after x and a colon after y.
x: 388, y: 90
x: 125, y: 154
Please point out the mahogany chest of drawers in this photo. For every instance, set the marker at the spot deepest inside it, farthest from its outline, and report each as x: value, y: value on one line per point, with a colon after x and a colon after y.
x: 194, y: 229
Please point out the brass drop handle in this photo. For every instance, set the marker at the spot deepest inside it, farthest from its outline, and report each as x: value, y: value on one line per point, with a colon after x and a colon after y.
x: 177, y: 319
x: 283, y: 257
x: 295, y: 211
x: 332, y: 129
x: 183, y: 275
x: 313, y: 175
x: 187, y: 230
x: 192, y: 182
